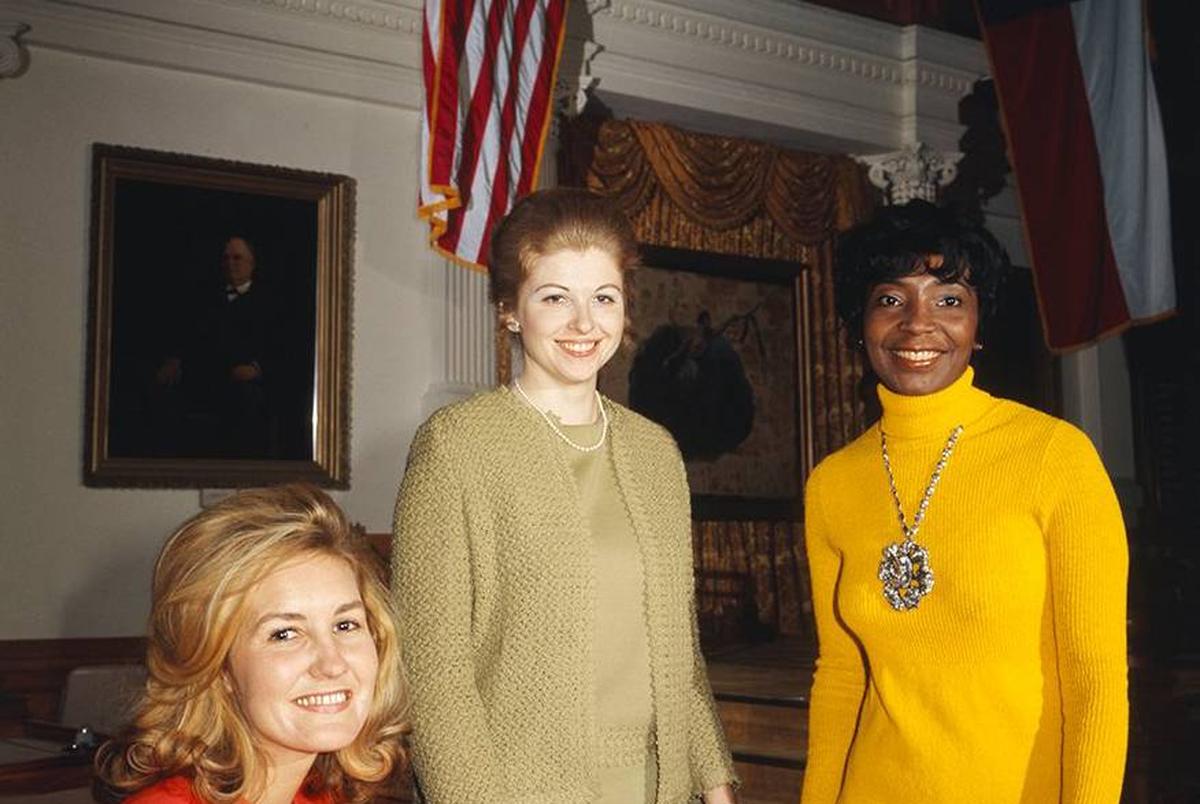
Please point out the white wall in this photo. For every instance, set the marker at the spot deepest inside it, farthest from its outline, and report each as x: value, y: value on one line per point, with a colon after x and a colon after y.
x: 76, y: 561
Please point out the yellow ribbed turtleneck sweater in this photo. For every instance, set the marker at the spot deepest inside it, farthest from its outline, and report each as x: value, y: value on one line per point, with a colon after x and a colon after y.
x: 1008, y: 683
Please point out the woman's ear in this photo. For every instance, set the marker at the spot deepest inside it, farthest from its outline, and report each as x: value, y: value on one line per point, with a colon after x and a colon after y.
x: 507, y: 319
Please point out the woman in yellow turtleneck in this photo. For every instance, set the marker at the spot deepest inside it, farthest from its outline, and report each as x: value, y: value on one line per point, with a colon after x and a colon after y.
x: 975, y: 652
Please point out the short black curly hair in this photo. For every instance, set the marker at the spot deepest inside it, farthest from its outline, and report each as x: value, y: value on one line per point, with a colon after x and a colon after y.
x: 897, y: 242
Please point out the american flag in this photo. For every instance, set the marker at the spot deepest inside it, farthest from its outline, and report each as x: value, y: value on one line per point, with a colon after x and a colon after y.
x: 489, y: 70
x: 1086, y: 143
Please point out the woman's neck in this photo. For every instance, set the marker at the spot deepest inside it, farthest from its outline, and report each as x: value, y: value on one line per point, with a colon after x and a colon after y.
x: 936, y: 413
x: 284, y: 777
x: 571, y: 404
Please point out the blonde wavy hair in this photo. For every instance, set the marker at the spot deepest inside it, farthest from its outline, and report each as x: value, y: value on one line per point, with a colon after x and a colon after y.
x: 188, y: 722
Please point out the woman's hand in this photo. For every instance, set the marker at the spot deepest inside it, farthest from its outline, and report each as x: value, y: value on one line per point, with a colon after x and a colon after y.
x: 720, y: 795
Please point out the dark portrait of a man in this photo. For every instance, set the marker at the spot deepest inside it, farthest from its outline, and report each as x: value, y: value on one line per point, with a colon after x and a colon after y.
x: 213, y: 333
x: 220, y: 363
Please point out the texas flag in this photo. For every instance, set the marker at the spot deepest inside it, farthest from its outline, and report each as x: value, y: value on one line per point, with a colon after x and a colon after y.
x: 1086, y: 142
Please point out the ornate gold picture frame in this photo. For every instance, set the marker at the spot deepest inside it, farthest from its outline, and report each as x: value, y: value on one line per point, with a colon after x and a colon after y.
x: 219, y: 322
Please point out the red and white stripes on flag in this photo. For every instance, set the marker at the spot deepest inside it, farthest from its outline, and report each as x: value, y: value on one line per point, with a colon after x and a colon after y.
x: 489, y: 75
x: 1086, y: 142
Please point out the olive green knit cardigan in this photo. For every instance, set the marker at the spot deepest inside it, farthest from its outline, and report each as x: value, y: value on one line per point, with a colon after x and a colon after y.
x: 492, y: 571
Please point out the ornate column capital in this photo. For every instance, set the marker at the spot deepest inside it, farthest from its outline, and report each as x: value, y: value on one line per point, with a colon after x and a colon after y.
x: 918, y: 171
x: 13, y: 55
x: 575, y: 81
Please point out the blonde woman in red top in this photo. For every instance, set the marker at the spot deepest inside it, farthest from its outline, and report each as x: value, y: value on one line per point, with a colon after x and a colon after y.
x: 274, y: 672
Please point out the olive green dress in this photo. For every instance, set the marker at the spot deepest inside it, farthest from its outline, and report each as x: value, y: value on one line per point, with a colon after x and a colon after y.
x: 628, y: 772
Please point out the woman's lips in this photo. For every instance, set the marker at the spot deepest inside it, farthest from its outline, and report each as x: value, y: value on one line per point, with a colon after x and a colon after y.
x: 325, y: 702
x: 917, y: 358
x: 579, y: 348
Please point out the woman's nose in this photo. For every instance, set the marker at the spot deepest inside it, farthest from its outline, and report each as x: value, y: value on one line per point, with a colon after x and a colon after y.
x: 328, y: 660
x: 917, y: 318
x: 582, y: 321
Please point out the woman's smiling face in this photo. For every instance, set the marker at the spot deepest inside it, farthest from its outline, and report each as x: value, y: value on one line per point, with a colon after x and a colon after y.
x: 919, y: 332
x: 571, y: 315
x: 303, y: 668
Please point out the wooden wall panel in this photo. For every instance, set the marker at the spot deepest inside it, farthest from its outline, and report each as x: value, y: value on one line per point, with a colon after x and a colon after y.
x: 33, y: 672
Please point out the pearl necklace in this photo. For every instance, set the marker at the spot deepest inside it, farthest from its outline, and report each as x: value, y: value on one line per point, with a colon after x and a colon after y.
x: 905, y: 571
x: 561, y: 434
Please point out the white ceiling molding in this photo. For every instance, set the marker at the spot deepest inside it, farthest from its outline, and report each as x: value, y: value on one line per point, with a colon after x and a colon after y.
x: 363, y: 49
x: 392, y: 16
x: 809, y: 76
x: 788, y: 72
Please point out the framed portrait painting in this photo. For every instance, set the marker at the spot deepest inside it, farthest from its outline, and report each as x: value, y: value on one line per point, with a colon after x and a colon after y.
x: 719, y: 358
x: 218, y: 323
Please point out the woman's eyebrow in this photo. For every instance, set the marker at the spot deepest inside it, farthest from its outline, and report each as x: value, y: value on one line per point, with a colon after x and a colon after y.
x: 292, y: 616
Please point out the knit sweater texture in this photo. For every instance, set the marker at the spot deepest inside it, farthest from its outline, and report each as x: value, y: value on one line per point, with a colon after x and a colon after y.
x: 1007, y: 683
x: 493, y: 576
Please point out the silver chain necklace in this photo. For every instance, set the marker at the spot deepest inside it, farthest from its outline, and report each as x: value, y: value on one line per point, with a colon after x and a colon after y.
x: 561, y: 434
x: 904, y: 570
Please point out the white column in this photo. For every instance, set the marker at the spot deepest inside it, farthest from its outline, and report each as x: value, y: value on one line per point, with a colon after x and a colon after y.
x: 917, y: 171
x: 1098, y: 400
x: 1082, y: 401
x: 469, y: 361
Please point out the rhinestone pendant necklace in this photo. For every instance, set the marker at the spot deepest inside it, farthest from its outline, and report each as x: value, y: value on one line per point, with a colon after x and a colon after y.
x: 905, y: 571
x: 550, y: 421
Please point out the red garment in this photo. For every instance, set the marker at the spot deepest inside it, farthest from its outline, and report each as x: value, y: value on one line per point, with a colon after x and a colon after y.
x: 178, y: 790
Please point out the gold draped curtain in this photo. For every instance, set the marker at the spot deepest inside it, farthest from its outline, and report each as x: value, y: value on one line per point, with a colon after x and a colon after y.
x: 736, y: 196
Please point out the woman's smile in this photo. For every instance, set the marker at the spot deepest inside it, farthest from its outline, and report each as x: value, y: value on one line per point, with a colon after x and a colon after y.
x: 917, y: 357
x: 304, y: 667
x: 579, y: 348
x: 919, y: 332
x: 325, y: 702
x: 570, y: 314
